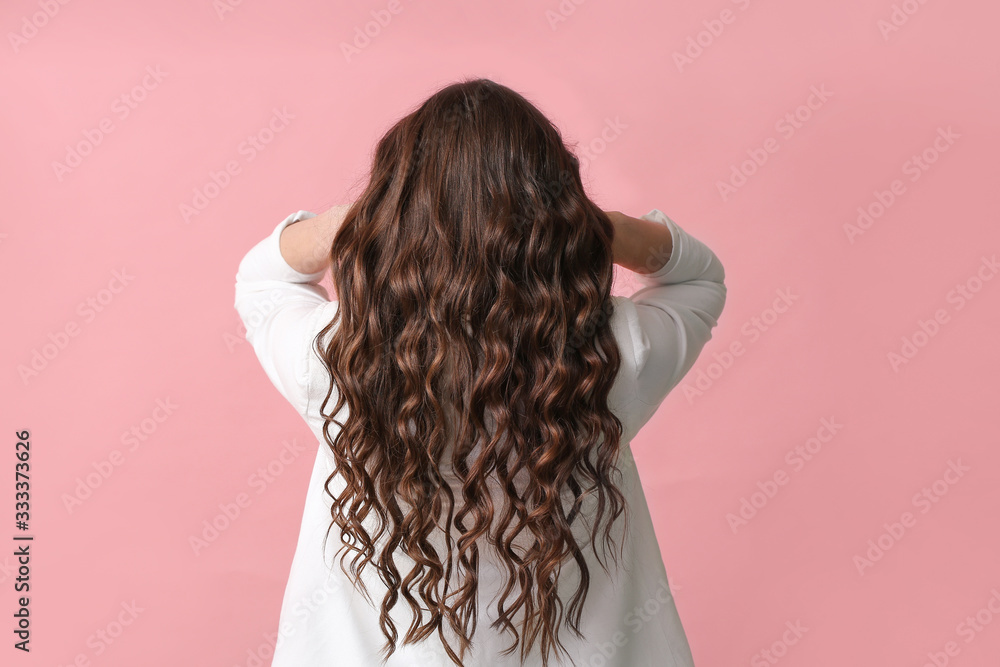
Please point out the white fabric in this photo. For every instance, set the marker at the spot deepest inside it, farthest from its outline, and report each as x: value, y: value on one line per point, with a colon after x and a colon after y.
x: 629, y: 618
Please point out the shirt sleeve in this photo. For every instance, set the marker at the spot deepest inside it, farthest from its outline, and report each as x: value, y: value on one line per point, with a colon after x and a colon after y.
x: 674, y: 314
x: 275, y: 303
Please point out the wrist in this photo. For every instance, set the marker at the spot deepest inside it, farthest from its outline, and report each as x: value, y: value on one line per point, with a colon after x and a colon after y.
x: 305, y: 245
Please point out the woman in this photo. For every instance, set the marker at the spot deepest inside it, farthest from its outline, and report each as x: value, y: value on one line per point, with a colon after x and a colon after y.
x: 474, y: 389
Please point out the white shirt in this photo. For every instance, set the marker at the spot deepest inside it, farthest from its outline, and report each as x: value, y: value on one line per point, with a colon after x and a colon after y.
x: 629, y: 618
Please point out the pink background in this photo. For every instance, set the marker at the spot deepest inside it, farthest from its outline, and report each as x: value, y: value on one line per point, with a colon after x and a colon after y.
x: 170, y: 332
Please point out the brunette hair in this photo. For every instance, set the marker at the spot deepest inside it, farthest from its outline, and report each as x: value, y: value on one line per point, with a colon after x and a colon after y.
x: 473, y: 278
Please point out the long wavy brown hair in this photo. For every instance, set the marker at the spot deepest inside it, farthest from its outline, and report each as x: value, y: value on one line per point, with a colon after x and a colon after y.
x: 474, y: 277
